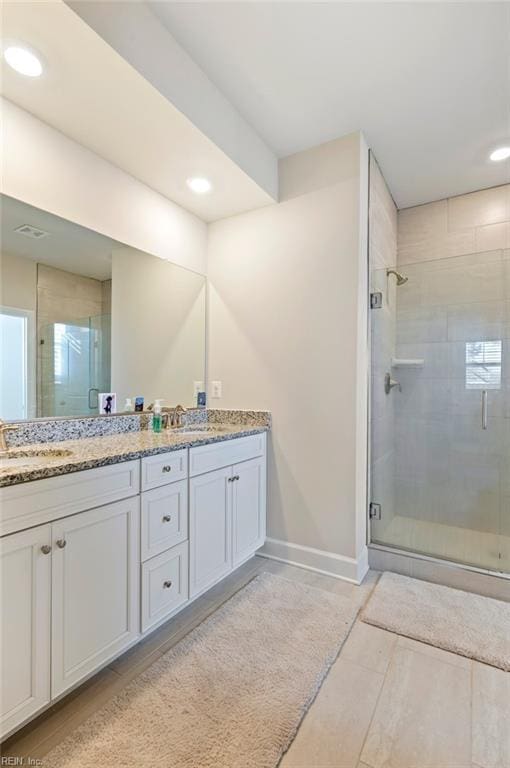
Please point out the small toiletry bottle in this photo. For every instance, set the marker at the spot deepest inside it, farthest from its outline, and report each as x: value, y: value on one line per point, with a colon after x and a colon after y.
x: 157, y: 418
x: 128, y: 405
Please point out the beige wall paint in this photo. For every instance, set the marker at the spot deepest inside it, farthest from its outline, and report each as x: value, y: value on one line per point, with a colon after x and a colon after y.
x: 473, y: 223
x: 18, y: 282
x: 46, y: 169
x: 158, y: 329
x: 284, y: 335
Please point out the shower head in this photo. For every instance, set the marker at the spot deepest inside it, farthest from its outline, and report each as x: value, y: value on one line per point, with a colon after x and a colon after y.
x: 401, y: 279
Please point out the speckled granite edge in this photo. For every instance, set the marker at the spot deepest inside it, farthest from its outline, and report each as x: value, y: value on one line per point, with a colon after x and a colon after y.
x: 58, y: 430
x: 103, y: 450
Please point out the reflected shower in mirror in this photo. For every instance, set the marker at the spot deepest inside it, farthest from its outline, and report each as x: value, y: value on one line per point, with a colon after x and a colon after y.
x: 81, y: 314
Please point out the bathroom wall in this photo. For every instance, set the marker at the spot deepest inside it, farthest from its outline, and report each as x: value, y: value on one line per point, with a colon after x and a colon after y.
x: 18, y: 286
x: 287, y: 323
x: 383, y: 255
x: 46, y: 169
x: 449, y: 470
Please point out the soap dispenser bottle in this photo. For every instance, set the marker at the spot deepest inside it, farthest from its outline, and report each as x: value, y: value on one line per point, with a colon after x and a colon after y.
x: 157, y: 418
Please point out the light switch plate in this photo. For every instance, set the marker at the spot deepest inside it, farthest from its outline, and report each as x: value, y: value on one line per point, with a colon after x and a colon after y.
x: 216, y: 388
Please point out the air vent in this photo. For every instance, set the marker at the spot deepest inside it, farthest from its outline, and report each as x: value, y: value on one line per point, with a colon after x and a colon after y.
x: 33, y: 232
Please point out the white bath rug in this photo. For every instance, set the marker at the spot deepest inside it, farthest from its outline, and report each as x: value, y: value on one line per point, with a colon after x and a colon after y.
x: 231, y: 694
x: 461, y: 622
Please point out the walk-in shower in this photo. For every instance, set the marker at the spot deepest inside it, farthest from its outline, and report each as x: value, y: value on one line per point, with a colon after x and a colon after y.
x: 441, y: 410
x: 440, y: 394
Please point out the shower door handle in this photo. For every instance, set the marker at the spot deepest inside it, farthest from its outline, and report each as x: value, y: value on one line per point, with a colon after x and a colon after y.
x: 485, y: 409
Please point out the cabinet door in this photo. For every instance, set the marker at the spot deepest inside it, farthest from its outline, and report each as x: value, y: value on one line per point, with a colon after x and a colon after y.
x: 95, y: 590
x: 210, y: 535
x: 248, y: 508
x: 25, y: 630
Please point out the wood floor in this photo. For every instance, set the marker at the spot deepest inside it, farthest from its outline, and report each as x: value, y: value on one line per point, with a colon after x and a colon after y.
x: 388, y: 702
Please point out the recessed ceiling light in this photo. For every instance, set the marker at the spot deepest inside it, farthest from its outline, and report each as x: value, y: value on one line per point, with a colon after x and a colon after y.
x: 23, y: 61
x: 502, y: 153
x: 199, y: 185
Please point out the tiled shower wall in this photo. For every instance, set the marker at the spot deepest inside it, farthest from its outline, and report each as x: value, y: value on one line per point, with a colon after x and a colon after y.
x: 63, y: 297
x: 383, y: 254
x: 456, y: 255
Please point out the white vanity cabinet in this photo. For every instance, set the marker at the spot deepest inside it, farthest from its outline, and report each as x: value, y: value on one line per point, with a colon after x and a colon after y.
x: 248, y: 508
x: 95, y: 590
x: 227, y: 508
x: 25, y: 625
x: 70, y: 587
x: 93, y: 560
x: 164, y: 540
x: 210, y: 518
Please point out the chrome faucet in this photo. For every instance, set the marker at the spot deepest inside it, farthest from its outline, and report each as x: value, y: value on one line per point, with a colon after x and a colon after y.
x: 175, y: 416
x: 3, y: 429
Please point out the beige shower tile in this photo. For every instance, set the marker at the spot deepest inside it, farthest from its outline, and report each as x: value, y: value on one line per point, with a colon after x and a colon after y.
x: 477, y: 209
x: 332, y: 733
x: 423, y: 716
x: 491, y: 716
x: 422, y: 222
x: 369, y: 646
x: 493, y: 237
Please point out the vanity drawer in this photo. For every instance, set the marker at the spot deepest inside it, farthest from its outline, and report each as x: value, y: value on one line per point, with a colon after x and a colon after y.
x: 164, y: 585
x: 164, y: 468
x: 40, y: 501
x: 206, y: 458
x: 164, y: 518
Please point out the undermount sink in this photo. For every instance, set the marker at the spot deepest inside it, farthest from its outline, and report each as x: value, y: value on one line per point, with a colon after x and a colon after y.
x: 30, y: 456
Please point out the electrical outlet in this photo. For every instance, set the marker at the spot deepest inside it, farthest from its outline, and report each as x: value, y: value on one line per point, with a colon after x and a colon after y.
x: 216, y: 388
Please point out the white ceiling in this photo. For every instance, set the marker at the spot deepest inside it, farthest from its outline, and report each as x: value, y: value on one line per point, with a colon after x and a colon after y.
x: 91, y: 94
x: 426, y: 82
x: 68, y: 246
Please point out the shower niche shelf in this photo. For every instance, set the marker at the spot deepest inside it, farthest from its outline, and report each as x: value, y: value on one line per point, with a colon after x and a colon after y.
x: 402, y: 362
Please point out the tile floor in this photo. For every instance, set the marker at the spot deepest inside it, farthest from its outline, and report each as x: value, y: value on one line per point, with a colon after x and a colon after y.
x: 477, y: 548
x: 388, y: 702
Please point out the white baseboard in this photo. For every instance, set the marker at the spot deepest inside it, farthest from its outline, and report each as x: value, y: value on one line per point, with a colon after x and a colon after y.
x: 338, y: 566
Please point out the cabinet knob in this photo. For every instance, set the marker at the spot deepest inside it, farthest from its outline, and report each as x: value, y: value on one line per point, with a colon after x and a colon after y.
x: 236, y: 477
x: 61, y: 543
x: 167, y: 468
x: 46, y: 549
x: 167, y: 584
x: 167, y: 518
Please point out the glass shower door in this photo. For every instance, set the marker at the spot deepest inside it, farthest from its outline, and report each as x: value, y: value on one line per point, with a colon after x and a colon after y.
x: 440, y: 414
x: 74, y: 366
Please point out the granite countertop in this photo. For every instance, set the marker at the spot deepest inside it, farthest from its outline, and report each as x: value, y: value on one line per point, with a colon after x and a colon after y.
x: 87, y: 453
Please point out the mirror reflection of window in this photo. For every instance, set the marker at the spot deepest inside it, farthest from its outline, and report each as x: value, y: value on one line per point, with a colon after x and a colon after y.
x: 17, y: 378
x: 483, y: 364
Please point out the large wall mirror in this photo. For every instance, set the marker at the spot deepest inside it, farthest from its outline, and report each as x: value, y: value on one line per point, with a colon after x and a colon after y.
x: 81, y: 315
